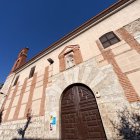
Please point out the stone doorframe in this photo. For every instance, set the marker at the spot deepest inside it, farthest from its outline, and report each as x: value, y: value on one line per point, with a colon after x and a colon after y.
x: 102, y: 81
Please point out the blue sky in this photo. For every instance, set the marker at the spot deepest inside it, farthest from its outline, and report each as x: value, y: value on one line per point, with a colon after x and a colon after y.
x: 38, y: 23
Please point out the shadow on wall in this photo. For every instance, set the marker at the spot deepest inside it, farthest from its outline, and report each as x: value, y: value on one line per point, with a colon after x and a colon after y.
x: 21, y: 131
x: 128, y: 127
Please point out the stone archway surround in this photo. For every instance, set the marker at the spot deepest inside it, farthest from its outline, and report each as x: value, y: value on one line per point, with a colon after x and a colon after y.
x: 102, y: 80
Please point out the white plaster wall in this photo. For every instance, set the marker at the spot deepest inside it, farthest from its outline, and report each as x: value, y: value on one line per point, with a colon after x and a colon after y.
x: 7, y: 83
x: 5, y: 88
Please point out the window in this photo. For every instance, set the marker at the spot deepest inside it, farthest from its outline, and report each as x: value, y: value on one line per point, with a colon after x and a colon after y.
x: 69, y: 60
x: 109, y: 39
x: 16, y: 80
x: 32, y: 72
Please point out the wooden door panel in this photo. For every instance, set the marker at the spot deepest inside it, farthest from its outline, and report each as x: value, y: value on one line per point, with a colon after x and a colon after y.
x: 69, y: 117
x: 90, y: 114
x: 80, y: 115
x: 70, y: 126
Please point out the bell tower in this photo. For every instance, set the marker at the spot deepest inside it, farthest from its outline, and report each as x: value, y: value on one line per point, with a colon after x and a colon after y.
x: 21, y: 59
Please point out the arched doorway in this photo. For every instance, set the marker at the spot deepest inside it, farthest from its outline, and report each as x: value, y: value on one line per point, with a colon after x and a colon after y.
x: 80, y: 117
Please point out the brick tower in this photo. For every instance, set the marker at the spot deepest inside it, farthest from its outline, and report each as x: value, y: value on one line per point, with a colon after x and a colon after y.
x: 21, y: 59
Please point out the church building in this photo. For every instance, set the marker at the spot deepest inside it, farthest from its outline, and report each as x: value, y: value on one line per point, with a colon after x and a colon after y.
x: 74, y: 88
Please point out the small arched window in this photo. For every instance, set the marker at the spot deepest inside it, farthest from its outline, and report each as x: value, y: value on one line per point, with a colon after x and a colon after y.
x: 109, y: 39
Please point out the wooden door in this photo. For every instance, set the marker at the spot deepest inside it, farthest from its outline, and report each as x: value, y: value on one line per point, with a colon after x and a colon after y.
x: 80, y: 117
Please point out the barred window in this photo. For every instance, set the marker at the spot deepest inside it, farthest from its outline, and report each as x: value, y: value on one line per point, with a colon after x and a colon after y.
x: 109, y: 39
